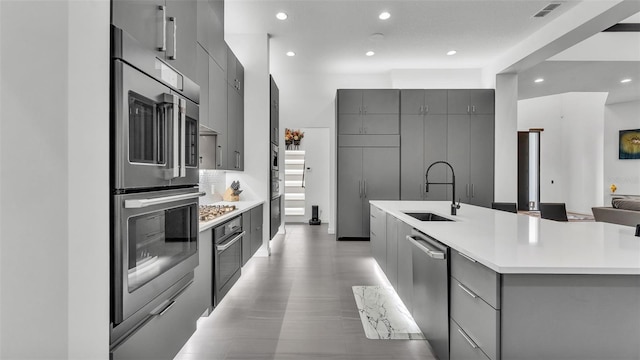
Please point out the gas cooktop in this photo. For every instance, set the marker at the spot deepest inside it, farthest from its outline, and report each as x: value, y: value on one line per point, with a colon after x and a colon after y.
x: 210, y: 212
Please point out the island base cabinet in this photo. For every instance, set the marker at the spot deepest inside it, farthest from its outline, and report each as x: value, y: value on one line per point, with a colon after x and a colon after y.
x: 570, y: 317
x: 461, y: 346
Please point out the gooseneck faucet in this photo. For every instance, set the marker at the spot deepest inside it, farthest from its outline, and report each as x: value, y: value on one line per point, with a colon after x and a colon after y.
x: 454, y: 206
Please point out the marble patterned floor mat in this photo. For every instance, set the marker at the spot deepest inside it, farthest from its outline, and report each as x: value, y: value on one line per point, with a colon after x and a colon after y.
x: 383, y: 314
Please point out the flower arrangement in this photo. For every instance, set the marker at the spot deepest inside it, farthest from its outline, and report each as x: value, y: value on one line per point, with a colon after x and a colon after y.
x: 292, y: 137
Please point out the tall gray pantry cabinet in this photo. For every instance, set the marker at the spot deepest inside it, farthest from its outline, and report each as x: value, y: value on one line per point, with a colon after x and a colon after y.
x: 368, y: 155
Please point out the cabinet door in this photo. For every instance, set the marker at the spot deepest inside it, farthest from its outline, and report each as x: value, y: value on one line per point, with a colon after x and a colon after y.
x: 349, y: 124
x: 232, y: 63
x: 349, y: 101
x: 481, y: 159
x: 458, y: 154
x: 392, y: 251
x: 458, y: 102
x: 381, y: 101
x: 435, y: 102
x: 233, y: 119
x: 218, y: 111
x: 405, y: 268
x: 482, y: 101
x: 435, y: 149
x: 202, y: 79
x: 246, y: 239
x: 256, y: 229
x: 276, y: 210
x: 143, y: 20
x: 350, y: 193
x: 378, y: 236
x: 273, y: 106
x: 240, y: 77
x: 184, y: 14
x: 412, y: 102
x: 380, y: 177
x: 202, y: 281
x: 412, y: 157
x: 240, y: 132
x: 210, y: 30
x: 380, y: 124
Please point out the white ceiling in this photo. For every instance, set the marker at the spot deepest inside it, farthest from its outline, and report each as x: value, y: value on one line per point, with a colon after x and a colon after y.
x: 332, y: 36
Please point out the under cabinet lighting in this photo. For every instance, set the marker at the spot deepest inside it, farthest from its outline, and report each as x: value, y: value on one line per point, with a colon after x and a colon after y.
x: 282, y: 16
x: 624, y: 81
x: 451, y: 52
x: 384, y: 15
x: 538, y: 80
x: 370, y: 53
x: 291, y: 53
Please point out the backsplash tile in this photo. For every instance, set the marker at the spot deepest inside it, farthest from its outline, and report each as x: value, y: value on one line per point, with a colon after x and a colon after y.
x: 215, y: 178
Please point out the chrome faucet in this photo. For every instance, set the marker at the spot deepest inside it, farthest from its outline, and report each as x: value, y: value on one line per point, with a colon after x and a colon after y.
x: 454, y: 206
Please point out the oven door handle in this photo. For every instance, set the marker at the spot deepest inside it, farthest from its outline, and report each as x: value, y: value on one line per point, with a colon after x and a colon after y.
x: 175, y: 129
x: 230, y: 242
x: 141, y: 203
x: 182, y: 103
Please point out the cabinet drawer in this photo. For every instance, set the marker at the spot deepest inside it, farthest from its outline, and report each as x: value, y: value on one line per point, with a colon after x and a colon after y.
x: 460, y: 347
x: 164, y: 335
x: 478, y: 320
x: 476, y: 277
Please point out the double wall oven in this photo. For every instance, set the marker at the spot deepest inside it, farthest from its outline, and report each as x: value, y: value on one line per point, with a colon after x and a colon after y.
x: 154, y: 178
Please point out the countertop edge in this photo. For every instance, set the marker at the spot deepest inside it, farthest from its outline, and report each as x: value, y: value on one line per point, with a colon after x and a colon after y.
x: 243, y: 206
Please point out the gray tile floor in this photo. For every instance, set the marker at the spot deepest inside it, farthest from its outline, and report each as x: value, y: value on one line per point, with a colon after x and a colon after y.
x: 298, y: 304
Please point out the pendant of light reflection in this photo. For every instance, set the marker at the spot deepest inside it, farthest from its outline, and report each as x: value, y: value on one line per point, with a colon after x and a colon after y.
x: 534, y: 170
x: 534, y: 229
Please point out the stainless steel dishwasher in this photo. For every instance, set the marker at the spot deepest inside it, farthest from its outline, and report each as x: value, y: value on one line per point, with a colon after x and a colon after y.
x: 431, y: 290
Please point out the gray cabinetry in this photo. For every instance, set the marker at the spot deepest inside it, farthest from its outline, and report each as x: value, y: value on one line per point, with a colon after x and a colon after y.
x: 235, y: 113
x: 274, y: 110
x: 210, y: 30
x: 378, y: 233
x: 246, y: 239
x: 165, y: 27
x: 364, y: 173
x: 391, y: 269
x: 423, y: 102
x: 218, y: 111
x: 373, y: 112
x: 256, y: 229
x: 473, y: 101
x: 405, y: 267
x: 202, y: 279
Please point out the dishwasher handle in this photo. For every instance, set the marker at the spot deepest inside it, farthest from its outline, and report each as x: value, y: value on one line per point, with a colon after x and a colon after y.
x: 428, y: 248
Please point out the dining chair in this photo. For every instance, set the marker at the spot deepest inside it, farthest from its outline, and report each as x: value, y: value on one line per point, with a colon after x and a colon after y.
x: 505, y: 206
x: 553, y: 211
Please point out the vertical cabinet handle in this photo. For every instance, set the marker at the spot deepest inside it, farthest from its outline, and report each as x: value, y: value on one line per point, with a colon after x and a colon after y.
x: 468, y: 109
x: 162, y: 28
x: 473, y: 108
x: 473, y: 190
x: 174, y: 54
x: 467, y: 191
x: 220, y: 156
x: 426, y: 109
x: 365, y: 187
x: 421, y: 109
x: 360, y: 188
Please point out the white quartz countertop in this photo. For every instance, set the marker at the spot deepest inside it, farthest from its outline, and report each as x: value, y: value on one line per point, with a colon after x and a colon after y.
x: 241, y: 206
x: 522, y: 244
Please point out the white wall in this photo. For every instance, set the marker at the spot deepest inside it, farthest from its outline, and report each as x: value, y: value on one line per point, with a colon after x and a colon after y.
x: 436, y: 79
x: 571, y: 146
x: 54, y: 257
x: 625, y: 174
x: 253, y: 52
x: 506, y: 139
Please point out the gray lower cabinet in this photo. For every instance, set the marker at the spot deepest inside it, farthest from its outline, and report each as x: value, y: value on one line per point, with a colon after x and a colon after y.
x: 364, y: 173
x: 378, y: 233
x: 163, y: 335
x: 256, y: 229
x: 405, y: 267
x: 203, y: 274
x: 246, y: 239
x: 391, y: 269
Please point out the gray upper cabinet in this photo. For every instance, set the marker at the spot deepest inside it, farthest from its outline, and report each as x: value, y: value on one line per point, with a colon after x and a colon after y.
x: 368, y: 112
x: 458, y: 154
x: 422, y: 102
x: 210, y: 30
x: 475, y: 101
x: 218, y: 110
x: 235, y: 72
x: 202, y: 79
x: 412, y: 156
x: 274, y: 110
x: 166, y: 27
x: 435, y: 149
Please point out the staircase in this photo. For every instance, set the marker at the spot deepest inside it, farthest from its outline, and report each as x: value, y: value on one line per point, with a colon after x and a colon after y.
x: 294, y: 193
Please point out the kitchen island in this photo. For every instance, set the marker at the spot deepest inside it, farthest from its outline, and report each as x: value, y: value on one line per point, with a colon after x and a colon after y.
x: 522, y: 287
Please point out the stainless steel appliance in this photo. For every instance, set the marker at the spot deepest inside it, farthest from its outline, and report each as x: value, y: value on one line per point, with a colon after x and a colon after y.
x: 154, y: 172
x: 431, y: 290
x: 155, y: 125
x: 227, y: 256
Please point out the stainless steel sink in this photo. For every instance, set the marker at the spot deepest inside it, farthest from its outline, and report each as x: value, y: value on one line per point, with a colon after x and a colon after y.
x: 427, y: 216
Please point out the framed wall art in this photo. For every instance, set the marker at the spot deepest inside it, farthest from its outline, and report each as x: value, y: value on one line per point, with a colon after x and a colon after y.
x: 629, y: 145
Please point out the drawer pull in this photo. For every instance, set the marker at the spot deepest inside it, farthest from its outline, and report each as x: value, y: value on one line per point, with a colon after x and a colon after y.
x: 471, y: 293
x: 467, y: 257
x: 466, y: 337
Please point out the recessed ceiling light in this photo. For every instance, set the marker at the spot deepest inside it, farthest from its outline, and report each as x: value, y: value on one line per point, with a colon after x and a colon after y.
x: 370, y: 53
x: 452, y: 52
x: 384, y: 15
x: 282, y: 16
x: 291, y: 53
x: 538, y: 80
x: 625, y: 80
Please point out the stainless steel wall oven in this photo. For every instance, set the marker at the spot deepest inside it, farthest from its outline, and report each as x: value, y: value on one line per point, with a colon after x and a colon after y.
x: 154, y: 177
x: 227, y: 257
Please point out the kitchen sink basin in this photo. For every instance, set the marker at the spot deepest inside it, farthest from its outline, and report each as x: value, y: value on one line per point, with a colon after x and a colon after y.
x: 427, y: 216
